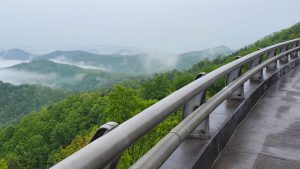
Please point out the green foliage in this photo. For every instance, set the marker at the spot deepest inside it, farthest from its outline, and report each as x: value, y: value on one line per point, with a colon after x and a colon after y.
x: 182, y: 79
x: 123, y: 103
x: 17, y: 101
x: 3, y: 164
x: 156, y: 88
x: 40, y: 133
x: 45, y: 137
x: 77, y: 143
x: 134, y: 152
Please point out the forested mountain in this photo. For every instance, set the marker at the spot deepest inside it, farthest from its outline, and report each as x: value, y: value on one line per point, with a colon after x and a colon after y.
x: 15, y: 54
x: 130, y: 64
x: 45, y: 137
x: 144, y: 63
x: 136, y: 64
x: 17, y: 101
x: 62, y: 76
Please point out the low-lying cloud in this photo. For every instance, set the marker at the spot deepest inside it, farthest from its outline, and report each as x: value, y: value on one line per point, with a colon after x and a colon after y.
x: 8, y: 63
x: 153, y: 62
x: 159, y: 62
x: 22, y: 77
x: 80, y: 64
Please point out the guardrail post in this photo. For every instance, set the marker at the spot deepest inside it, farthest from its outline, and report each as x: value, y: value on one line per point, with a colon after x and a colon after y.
x: 284, y: 59
x: 202, y: 131
x: 273, y: 65
x: 294, y: 54
x: 256, y: 61
x: 239, y: 93
x: 297, y: 52
x: 104, y: 129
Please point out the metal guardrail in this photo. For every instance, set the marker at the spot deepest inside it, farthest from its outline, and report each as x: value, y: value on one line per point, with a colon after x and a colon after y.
x: 103, y: 150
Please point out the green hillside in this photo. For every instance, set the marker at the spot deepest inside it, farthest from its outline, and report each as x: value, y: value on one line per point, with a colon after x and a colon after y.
x: 45, y: 137
x: 68, y: 77
x: 135, y: 64
x: 130, y: 64
x: 17, y: 101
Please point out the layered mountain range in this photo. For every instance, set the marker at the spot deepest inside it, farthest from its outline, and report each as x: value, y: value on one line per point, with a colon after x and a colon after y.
x: 82, y: 70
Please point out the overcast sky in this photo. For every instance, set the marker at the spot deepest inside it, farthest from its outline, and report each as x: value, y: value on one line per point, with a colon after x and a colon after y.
x: 165, y: 25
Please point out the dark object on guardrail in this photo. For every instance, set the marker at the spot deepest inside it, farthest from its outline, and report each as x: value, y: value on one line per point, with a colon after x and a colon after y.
x: 102, y: 130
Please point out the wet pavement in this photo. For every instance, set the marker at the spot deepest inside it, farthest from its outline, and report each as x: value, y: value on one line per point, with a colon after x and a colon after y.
x: 269, y: 136
x: 187, y: 152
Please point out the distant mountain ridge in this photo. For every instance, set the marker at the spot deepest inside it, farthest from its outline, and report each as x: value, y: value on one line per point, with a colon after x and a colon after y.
x: 15, y: 54
x: 130, y: 64
x: 136, y: 64
x: 57, y: 75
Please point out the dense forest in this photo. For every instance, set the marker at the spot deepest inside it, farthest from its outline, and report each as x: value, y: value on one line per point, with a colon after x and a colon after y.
x: 17, y: 101
x: 47, y: 136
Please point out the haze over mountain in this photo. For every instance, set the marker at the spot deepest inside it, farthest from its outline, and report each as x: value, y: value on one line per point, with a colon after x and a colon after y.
x: 187, y: 59
x: 119, y: 62
x: 57, y: 75
x: 14, y: 56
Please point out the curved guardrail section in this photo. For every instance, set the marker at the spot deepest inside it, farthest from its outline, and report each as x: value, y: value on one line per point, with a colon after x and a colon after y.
x: 102, y: 151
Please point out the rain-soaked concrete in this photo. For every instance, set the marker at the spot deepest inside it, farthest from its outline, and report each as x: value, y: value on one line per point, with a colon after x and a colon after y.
x: 269, y: 136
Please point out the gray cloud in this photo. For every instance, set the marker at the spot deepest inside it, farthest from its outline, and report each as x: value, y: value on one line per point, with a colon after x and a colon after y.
x: 167, y: 25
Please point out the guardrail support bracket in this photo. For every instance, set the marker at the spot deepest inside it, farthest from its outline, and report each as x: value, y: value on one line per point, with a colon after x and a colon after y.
x: 202, y: 131
x: 284, y: 59
x: 239, y: 94
x: 294, y: 54
x: 258, y: 76
x: 273, y: 65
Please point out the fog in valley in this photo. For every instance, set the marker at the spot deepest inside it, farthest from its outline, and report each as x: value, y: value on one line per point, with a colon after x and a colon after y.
x: 81, y: 64
x: 8, y: 63
x: 23, y: 77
